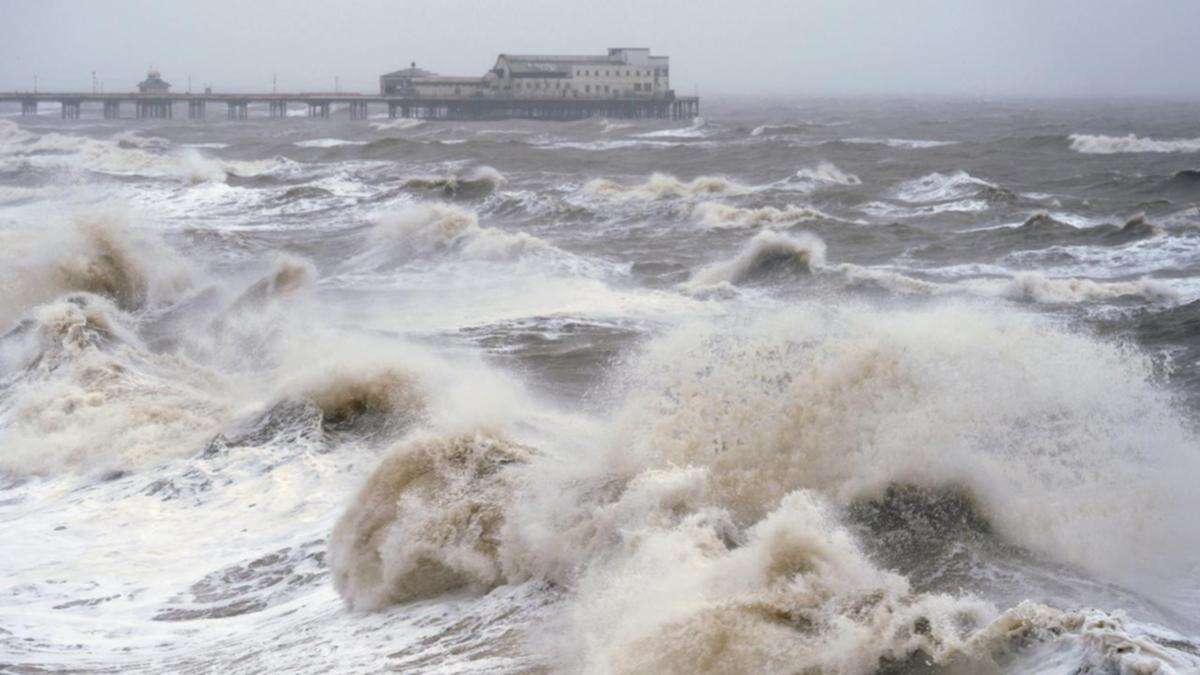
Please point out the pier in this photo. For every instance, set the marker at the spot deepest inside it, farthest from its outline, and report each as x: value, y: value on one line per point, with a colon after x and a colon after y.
x: 237, y: 106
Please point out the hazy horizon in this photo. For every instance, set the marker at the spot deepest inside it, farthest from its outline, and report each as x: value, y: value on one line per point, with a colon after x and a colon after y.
x: 1072, y: 48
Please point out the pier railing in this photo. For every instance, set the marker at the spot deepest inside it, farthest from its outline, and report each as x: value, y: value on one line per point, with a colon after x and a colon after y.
x: 321, y: 105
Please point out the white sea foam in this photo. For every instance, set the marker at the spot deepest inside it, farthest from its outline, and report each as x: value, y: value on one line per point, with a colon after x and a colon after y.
x: 767, y: 253
x: 697, y: 129
x: 664, y: 186
x: 398, y: 124
x: 940, y: 187
x: 124, y: 155
x: 327, y: 143
x: 904, y: 143
x: 1095, y: 144
x: 821, y: 175
x: 888, y: 210
x: 778, y: 129
x: 441, y: 229
x: 719, y: 215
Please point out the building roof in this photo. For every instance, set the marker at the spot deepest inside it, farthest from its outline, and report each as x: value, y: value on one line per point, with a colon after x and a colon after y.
x: 153, y: 81
x: 410, y: 72
x: 550, y: 64
x: 448, y: 79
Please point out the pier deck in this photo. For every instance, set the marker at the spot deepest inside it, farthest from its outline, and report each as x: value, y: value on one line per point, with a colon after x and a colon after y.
x: 320, y: 105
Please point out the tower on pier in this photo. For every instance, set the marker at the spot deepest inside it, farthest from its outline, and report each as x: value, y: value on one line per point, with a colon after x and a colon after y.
x: 154, y: 84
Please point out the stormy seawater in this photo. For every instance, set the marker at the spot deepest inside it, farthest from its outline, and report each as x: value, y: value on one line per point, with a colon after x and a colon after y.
x: 843, y: 386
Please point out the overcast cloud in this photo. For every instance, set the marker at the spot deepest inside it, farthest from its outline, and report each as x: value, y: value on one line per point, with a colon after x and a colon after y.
x: 1002, y: 47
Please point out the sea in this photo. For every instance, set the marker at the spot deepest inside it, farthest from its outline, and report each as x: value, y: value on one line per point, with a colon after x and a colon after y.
x: 806, y: 385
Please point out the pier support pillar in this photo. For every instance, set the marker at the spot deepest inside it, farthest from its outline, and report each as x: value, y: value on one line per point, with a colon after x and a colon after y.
x: 28, y: 108
x: 155, y: 110
x: 70, y: 110
x: 358, y: 110
x: 112, y: 110
x: 318, y: 109
x: 278, y: 109
x: 237, y: 110
x: 196, y: 110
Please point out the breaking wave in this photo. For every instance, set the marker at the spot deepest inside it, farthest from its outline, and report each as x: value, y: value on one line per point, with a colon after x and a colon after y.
x: 99, y: 255
x: 428, y: 521
x: 476, y: 182
x: 694, y: 130
x: 397, y: 124
x: 663, y: 186
x: 939, y: 187
x: 327, y: 143
x: 718, y: 215
x: 821, y: 175
x: 359, y: 394
x: 441, y: 229
x: 903, y: 143
x: 767, y: 255
x: 704, y: 534
x: 1035, y: 287
x: 93, y: 399
x: 779, y: 129
x: 1089, y: 144
x: 123, y: 155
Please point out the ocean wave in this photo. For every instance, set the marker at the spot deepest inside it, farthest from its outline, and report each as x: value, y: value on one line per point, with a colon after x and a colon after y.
x: 940, y: 187
x: 887, y: 210
x: 697, y: 129
x: 609, y: 126
x: 93, y: 400
x: 904, y: 143
x: 124, y: 155
x: 97, y: 254
x: 1089, y: 144
x: 852, y: 377
x: 768, y: 254
x: 428, y: 521
x: 1031, y: 287
x: 440, y: 229
x: 327, y: 143
x: 730, y: 461
x: 1035, y: 287
x: 718, y: 215
x: 779, y: 129
x: 475, y: 182
x: 360, y: 395
x: 664, y: 186
x: 821, y: 175
x: 398, y: 124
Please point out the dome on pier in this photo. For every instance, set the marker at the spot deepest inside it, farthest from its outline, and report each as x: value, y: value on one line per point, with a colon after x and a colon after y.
x: 154, y: 83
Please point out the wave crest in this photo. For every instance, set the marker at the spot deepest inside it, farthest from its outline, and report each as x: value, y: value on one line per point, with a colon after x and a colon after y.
x: 718, y: 215
x: 433, y: 229
x: 940, y: 187
x: 663, y: 186
x: 427, y: 521
x: 1098, y: 144
x: 767, y: 254
x: 477, y: 182
x: 99, y: 255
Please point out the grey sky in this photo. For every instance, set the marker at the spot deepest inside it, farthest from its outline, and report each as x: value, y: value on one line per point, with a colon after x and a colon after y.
x: 1048, y: 47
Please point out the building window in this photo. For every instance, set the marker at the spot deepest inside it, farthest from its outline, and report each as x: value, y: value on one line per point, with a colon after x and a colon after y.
x: 587, y: 88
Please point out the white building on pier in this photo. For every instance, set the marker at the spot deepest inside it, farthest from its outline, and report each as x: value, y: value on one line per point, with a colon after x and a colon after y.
x: 624, y: 72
